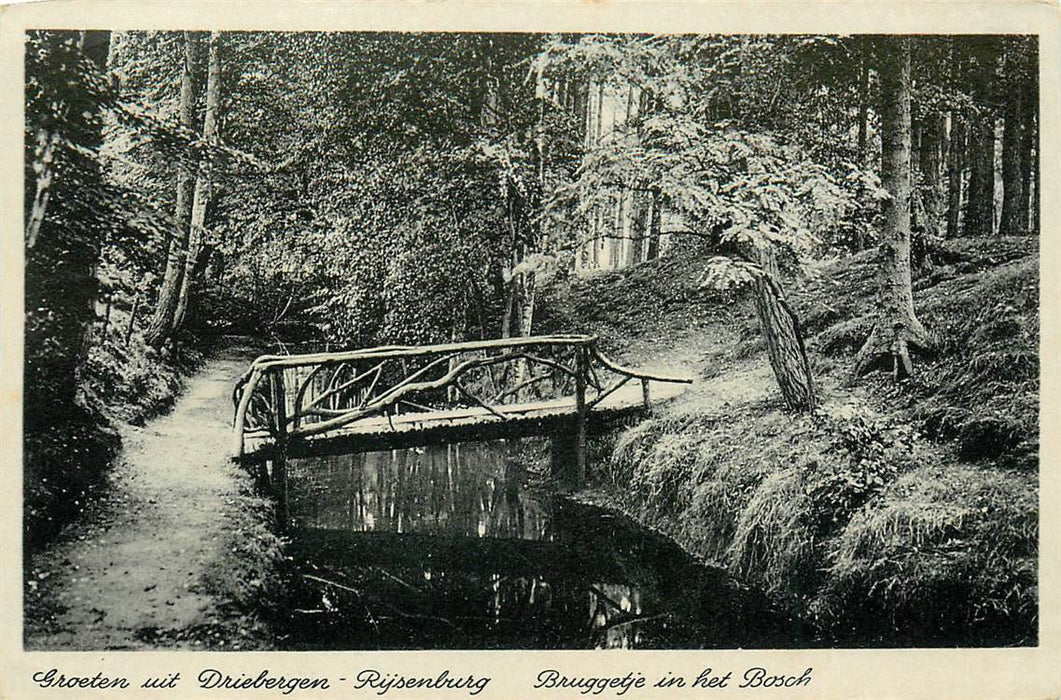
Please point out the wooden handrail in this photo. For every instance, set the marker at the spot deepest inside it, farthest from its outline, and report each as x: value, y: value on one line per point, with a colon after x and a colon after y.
x: 619, y: 369
x: 271, y: 361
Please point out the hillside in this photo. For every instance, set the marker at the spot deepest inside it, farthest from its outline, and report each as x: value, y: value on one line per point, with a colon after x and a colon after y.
x: 908, y: 511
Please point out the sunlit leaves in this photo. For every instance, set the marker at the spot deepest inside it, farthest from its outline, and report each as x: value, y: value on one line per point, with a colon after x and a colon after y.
x: 722, y: 272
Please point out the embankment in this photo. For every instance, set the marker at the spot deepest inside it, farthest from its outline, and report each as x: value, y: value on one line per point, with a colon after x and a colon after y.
x: 898, y: 514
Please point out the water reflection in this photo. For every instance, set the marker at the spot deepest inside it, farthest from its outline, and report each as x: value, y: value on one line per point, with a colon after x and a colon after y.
x: 456, y: 547
x: 461, y: 490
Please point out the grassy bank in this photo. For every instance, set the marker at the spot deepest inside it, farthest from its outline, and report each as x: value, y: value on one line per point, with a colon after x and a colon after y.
x: 896, y: 514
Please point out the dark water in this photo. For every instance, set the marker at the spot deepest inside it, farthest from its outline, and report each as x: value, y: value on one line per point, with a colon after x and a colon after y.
x: 463, y: 546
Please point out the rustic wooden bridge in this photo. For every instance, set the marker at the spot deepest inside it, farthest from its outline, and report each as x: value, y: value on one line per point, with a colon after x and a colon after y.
x: 403, y: 396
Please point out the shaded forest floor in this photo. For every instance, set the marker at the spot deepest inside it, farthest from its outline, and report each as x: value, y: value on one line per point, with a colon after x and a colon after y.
x: 175, y: 548
x: 895, y: 514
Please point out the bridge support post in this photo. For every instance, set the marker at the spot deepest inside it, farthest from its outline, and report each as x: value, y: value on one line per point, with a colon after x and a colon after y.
x: 564, y: 462
x: 279, y: 472
x: 278, y: 480
x: 581, y: 414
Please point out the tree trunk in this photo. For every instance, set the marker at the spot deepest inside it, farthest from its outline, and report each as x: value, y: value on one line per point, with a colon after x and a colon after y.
x: 636, y: 219
x: 955, y: 168
x: 44, y: 168
x: 654, y: 223
x: 510, y: 303
x: 863, y: 100
x: 897, y: 330
x: 63, y: 238
x: 917, y: 209
x: 980, y: 206
x: 1029, y: 86
x: 784, y: 340
x: 161, y: 327
x: 202, y: 183
x: 931, y: 183
x: 1013, y: 200
x: 1036, y: 174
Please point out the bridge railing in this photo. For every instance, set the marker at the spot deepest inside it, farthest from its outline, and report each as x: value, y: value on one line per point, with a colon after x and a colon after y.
x: 300, y: 396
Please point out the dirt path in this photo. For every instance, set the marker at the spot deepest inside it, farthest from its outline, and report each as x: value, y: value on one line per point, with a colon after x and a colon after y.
x: 131, y: 575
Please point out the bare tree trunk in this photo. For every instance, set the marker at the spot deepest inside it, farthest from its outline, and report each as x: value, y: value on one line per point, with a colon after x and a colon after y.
x: 784, y: 340
x: 1026, y: 83
x: 510, y: 303
x: 863, y: 99
x: 636, y: 216
x: 1036, y: 175
x: 527, y: 296
x: 1028, y: 143
x: 44, y: 167
x: 931, y: 151
x: 202, y: 183
x: 161, y: 327
x: 955, y: 168
x: 1012, y: 223
x: 897, y: 329
x: 654, y: 223
x: 980, y: 208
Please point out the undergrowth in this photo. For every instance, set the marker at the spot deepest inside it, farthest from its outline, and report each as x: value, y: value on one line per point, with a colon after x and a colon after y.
x: 66, y: 456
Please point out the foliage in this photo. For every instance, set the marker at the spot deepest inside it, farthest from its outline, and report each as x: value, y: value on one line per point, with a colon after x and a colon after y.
x: 383, y: 187
x: 712, y: 152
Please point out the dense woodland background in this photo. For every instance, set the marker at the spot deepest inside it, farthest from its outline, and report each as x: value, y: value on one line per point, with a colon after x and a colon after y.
x: 352, y: 189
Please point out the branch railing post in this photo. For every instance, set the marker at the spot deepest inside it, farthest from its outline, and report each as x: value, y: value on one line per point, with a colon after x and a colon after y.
x: 239, y: 421
x: 581, y: 413
x: 279, y: 475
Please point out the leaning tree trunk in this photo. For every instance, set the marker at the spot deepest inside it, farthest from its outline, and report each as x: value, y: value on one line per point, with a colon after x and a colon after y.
x: 202, y: 183
x: 897, y: 329
x: 784, y: 339
x: 161, y: 327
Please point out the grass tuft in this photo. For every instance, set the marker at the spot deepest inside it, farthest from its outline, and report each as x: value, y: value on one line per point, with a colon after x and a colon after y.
x: 946, y: 553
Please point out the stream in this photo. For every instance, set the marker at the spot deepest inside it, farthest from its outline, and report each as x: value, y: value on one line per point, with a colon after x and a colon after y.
x: 465, y: 546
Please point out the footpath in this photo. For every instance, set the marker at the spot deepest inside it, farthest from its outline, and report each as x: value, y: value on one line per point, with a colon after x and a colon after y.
x: 139, y: 571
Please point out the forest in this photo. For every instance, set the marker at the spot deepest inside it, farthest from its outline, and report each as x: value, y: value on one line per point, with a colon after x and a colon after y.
x: 318, y: 191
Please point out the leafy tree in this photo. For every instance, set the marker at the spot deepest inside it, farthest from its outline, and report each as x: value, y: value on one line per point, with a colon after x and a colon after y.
x: 162, y: 325
x: 69, y: 211
x: 752, y: 193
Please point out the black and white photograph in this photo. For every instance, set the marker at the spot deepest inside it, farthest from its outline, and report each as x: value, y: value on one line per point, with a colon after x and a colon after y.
x: 386, y: 340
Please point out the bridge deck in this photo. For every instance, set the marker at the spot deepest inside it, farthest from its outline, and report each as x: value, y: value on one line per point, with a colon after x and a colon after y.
x: 412, y: 429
